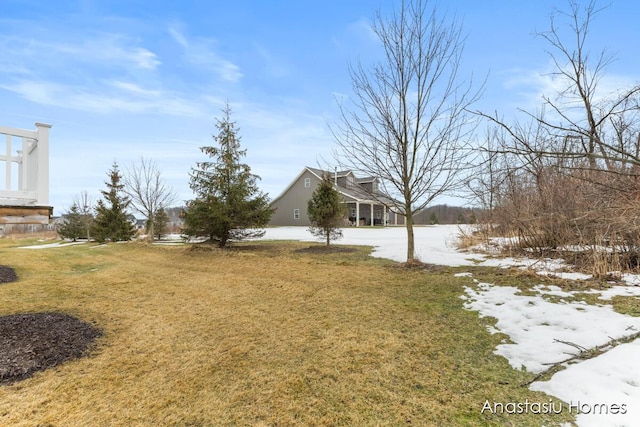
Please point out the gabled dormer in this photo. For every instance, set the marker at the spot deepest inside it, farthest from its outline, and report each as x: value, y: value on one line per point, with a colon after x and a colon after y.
x: 369, y: 184
x: 346, y: 179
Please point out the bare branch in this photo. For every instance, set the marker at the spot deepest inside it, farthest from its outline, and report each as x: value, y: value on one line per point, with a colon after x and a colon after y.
x: 148, y: 191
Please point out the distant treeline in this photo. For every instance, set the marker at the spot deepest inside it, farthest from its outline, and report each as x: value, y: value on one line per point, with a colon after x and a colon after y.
x: 445, y: 214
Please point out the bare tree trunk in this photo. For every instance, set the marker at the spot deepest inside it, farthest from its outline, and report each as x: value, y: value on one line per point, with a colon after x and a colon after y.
x: 410, y: 239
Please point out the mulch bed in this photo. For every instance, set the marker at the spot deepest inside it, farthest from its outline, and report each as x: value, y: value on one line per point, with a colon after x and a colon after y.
x: 33, y: 342
x: 7, y: 274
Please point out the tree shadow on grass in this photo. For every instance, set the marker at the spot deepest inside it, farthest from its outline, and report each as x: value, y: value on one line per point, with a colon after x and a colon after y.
x: 324, y: 249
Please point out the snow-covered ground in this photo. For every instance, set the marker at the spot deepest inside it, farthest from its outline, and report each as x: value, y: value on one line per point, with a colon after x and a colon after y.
x: 57, y: 244
x: 604, y: 389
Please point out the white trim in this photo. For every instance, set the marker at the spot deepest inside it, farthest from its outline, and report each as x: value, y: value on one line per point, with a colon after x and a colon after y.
x: 21, y: 133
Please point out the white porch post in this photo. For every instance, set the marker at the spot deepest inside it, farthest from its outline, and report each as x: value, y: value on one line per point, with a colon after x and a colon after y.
x: 371, y: 215
x: 395, y: 217
x: 384, y: 215
x: 357, y: 214
x: 43, y: 163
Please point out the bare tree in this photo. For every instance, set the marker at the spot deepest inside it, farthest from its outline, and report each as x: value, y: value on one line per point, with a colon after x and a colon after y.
x: 148, y: 191
x: 85, y: 205
x: 408, y: 122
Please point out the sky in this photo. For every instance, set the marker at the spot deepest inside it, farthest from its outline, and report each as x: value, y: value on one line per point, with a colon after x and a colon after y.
x: 123, y: 79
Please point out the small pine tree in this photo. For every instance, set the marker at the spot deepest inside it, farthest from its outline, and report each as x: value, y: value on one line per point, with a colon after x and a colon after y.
x: 433, y: 218
x: 73, y: 226
x: 326, y: 211
x: 111, y: 222
x: 160, y: 222
x: 228, y: 204
x: 472, y: 218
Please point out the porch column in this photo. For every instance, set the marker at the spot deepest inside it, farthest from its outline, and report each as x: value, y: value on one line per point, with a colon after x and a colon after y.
x: 357, y: 214
x: 42, y: 162
x: 371, y: 214
x: 395, y: 217
x: 384, y: 215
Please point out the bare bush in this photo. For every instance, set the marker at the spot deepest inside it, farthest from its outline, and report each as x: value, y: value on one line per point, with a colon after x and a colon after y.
x: 565, y: 180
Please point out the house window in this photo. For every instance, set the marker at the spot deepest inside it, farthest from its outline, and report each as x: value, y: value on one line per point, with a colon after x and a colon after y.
x: 350, y: 181
x: 296, y: 214
x: 307, y: 182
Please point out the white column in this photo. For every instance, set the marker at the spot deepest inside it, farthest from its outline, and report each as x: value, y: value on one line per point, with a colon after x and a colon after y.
x: 371, y: 215
x: 357, y: 214
x: 395, y: 217
x: 384, y: 215
x: 43, y: 163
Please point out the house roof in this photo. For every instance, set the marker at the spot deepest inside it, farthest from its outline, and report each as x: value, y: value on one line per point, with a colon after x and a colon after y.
x: 366, y: 179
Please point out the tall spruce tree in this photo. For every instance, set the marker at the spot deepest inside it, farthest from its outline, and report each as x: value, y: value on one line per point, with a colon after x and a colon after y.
x: 326, y: 211
x: 111, y: 222
x: 228, y: 204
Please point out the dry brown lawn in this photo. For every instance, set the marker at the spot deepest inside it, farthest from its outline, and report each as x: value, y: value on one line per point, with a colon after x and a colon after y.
x: 264, y: 335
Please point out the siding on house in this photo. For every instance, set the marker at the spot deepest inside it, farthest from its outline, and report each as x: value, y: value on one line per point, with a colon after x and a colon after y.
x: 296, y: 196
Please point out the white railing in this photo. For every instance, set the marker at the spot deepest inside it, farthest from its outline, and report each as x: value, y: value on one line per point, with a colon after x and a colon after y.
x: 28, y: 151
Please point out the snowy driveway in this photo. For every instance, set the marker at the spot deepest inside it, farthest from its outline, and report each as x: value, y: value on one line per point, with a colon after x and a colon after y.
x: 606, y: 389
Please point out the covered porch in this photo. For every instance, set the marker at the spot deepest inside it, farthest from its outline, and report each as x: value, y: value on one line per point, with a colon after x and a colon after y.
x: 371, y: 213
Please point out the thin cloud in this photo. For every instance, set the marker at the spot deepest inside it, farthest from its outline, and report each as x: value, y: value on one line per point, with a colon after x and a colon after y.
x: 134, y: 89
x: 110, y: 50
x: 201, y: 53
x: 532, y: 85
x: 127, y: 98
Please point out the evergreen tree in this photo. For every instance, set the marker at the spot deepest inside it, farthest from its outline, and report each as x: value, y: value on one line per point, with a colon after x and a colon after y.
x: 73, y: 226
x: 228, y: 204
x: 111, y: 222
x: 433, y: 218
x: 472, y: 218
x: 326, y: 211
x: 160, y: 222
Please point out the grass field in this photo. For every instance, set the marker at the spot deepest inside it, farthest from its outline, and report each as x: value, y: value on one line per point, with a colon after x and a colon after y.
x: 260, y: 335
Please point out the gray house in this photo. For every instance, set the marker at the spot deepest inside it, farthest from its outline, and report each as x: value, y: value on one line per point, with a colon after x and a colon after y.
x: 366, y: 205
